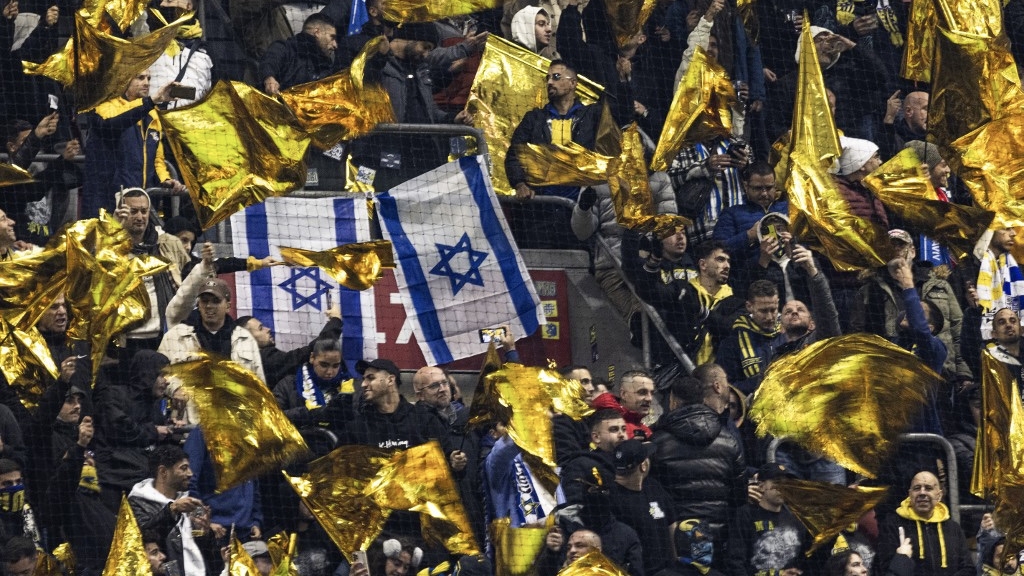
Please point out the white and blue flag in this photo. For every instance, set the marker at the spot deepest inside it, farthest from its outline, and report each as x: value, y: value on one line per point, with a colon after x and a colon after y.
x: 458, y: 269
x: 292, y: 301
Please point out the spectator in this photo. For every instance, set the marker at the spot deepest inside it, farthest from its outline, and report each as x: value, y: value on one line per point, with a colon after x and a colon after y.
x: 938, y: 174
x: 607, y: 431
x: 564, y: 119
x: 305, y: 57
x: 738, y: 225
x: 260, y: 554
x: 801, y: 326
x: 12, y: 442
x: 777, y: 256
x: 124, y: 148
x: 1000, y: 282
x: 905, y: 121
x: 209, y: 327
x: 531, y: 27
x: 698, y: 460
x: 16, y: 515
x: 20, y: 556
x: 514, y: 491
x: 745, y: 353
x: 939, y: 544
x: 277, y: 363
x: 634, y: 402
x: 155, y: 554
x: 20, y: 93
x: 304, y: 394
x: 161, y: 503
x: 191, y: 65
x: 766, y: 537
x: 706, y: 180
x: 9, y: 243
x: 393, y: 557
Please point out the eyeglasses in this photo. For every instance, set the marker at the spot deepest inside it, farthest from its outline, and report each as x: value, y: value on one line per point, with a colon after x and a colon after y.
x: 556, y: 76
x: 434, y: 386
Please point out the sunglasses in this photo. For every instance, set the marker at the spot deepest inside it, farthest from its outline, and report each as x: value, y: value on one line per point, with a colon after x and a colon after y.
x: 558, y: 76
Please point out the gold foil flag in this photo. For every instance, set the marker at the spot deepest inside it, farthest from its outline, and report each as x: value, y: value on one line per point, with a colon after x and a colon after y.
x: 627, y: 18
x: 241, y: 564
x: 846, y: 398
x: 826, y: 509
x: 282, y: 553
x: 920, y: 48
x: 127, y: 555
x: 592, y: 564
x: 12, y: 174
x: 339, y: 107
x: 120, y: 13
x: 235, y: 148
x: 24, y: 358
x: 701, y: 109
x: 555, y: 165
x: 30, y: 282
x: 245, y: 432
x: 631, y: 191
x: 356, y: 266
x: 98, y: 66
x: 903, y: 186
x: 486, y: 405
x: 352, y: 491
x: 407, y: 11
x: 516, y: 549
x: 510, y: 82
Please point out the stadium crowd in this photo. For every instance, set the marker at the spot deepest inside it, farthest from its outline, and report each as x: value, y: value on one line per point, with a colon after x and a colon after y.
x: 667, y: 476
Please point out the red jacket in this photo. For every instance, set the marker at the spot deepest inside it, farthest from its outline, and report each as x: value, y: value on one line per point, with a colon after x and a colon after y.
x: 635, y: 428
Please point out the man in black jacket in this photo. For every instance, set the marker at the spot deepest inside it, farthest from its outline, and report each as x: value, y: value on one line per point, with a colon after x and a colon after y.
x: 305, y: 57
x: 698, y: 460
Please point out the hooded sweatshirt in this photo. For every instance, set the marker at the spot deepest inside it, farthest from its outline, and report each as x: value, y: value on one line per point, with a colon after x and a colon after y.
x: 523, y: 30
x: 153, y: 512
x: 940, y: 547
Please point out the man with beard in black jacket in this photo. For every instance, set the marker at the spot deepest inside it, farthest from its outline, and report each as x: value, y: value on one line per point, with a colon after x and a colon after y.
x: 698, y: 460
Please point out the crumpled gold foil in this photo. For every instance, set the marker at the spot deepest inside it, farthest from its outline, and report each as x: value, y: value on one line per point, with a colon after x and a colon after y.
x: 592, y: 564
x: 826, y: 509
x: 701, y: 109
x: 356, y: 266
x: 352, y: 491
x: 245, y: 432
x: 627, y: 18
x: 47, y: 565
x: 12, y: 174
x: 31, y: 282
x: 555, y: 165
x: 846, y: 398
x: 920, y: 42
x: 282, y: 548
x: 235, y: 148
x: 66, y: 556
x: 419, y: 480
x: 98, y: 66
x: 127, y: 555
x: 240, y: 563
x: 340, y: 107
x: 516, y: 549
x: 121, y: 13
x: 407, y: 11
x: 24, y: 358
x: 631, y: 190
x: 903, y: 186
x: 510, y: 82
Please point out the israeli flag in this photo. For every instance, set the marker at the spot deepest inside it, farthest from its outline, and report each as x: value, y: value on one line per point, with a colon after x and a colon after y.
x: 458, y: 269
x: 292, y: 301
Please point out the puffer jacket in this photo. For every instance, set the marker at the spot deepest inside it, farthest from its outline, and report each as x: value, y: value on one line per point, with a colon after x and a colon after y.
x: 700, y: 464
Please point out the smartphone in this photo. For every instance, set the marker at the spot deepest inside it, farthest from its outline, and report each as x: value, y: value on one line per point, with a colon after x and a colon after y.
x: 488, y: 335
x: 360, y: 556
x: 54, y: 103
x: 781, y: 250
x: 186, y: 92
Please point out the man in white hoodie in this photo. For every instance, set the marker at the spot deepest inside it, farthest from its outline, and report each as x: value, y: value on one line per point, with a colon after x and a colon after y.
x: 532, y: 28
x: 162, y: 504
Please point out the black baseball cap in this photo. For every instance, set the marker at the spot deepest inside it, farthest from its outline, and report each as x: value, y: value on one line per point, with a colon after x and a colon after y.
x: 380, y: 364
x: 631, y: 453
x: 774, y: 471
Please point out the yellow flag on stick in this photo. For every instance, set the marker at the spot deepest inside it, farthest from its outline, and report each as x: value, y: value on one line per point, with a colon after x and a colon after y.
x: 592, y: 564
x: 902, y: 185
x: 920, y: 48
x: 235, y: 148
x: 846, y: 398
x: 282, y: 548
x: 127, y: 555
x: 407, y: 11
x: 556, y: 165
x: 826, y: 509
x: 245, y: 432
x: 700, y: 109
x: 98, y: 66
x: 241, y: 564
x: 340, y: 107
x: 516, y: 549
x: 352, y: 491
x: 631, y: 191
x: 355, y: 266
x: 510, y: 82
x: 12, y: 174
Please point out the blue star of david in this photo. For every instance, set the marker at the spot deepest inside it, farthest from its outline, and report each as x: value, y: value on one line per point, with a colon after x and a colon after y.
x: 470, y: 276
x: 298, y: 298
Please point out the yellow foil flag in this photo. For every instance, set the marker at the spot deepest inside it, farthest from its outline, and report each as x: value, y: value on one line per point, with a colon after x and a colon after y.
x: 826, y: 509
x: 24, y: 357
x: 121, y: 13
x: 903, y: 186
x: 700, y: 109
x: 127, y: 555
x: 627, y: 18
x: 12, y: 174
x: 352, y: 491
x: 846, y: 398
x: 241, y: 564
x: 245, y: 432
x: 356, y: 266
x: 631, y: 191
x: 406, y: 11
x: 510, y: 82
x: 236, y: 147
x: 31, y: 281
x: 339, y: 107
x: 555, y: 165
x: 920, y: 46
x: 516, y: 549
x: 592, y: 564
x: 282, y: 548
x: 97, y: 66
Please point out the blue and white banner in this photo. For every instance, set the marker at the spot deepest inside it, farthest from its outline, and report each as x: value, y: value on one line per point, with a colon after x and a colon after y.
x: 458, y: 268
x: 292, y: 301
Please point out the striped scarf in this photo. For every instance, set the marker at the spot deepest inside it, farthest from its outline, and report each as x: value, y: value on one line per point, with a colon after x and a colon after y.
x: 1000, y: 285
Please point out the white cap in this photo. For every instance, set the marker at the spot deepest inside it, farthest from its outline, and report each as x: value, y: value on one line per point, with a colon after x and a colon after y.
x: 856, y: 153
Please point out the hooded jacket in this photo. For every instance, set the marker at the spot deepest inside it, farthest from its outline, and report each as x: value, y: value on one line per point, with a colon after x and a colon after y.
x: 940, y: 547
x: 524, y: 32
x: 745, y: 354
x: 700, y: 464
x: 153, y: 512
